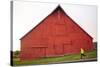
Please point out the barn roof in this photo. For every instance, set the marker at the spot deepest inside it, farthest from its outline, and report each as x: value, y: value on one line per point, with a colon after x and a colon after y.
x: 58, y: 7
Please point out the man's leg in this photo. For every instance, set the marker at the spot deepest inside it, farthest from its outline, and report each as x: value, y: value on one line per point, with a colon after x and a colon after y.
x: 81, y: 56
x: 84, y: 55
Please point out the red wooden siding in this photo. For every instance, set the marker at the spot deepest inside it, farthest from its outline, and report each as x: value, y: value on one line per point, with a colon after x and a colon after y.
x: 56, y: 35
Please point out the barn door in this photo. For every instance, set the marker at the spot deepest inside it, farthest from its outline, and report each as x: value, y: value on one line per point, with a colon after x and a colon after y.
x: 58, y: 49
x: 38, y: 52
x: 67, y: 48
x: 42, y: 52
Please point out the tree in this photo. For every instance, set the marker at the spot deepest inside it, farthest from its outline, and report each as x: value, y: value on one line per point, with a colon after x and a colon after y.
x: 16, y: 54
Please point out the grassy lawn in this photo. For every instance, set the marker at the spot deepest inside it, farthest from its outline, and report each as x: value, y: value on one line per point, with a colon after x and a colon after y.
x: 89, y: 55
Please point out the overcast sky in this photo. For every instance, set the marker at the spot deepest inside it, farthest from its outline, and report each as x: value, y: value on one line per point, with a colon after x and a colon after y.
x: 26, y: 15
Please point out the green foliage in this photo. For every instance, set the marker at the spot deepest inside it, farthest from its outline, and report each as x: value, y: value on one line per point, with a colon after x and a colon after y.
x: 95, y: 45
x: 16, y: 54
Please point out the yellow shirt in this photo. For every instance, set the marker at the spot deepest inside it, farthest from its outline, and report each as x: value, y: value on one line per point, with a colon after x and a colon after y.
x: 82, y: 51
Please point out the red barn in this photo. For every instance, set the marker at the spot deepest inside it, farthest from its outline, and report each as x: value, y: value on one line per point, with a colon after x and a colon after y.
x: 56, y: 35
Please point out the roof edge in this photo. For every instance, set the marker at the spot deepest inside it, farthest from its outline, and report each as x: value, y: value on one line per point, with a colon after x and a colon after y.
x: 41, y: 21
x: 77, y: 24
x: 49, y: 15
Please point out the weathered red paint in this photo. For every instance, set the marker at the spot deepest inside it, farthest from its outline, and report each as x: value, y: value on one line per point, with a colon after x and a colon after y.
x: 56, y: 35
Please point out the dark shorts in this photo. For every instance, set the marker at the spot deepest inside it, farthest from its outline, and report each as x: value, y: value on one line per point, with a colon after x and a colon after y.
x: 83, y: 54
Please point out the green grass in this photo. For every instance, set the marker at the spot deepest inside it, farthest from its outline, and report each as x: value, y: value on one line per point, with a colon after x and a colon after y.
x: 93, y: 54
